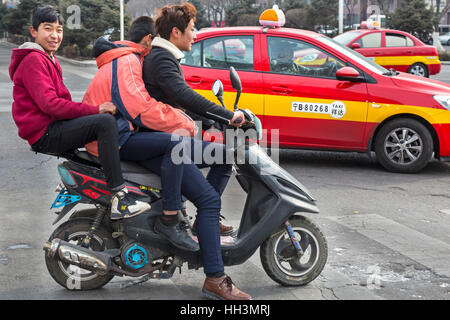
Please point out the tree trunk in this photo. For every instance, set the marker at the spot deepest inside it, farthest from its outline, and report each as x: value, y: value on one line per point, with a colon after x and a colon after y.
x: 363, y: 10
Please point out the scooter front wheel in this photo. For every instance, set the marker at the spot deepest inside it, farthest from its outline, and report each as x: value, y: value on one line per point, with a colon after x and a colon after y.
x: 281, y: 260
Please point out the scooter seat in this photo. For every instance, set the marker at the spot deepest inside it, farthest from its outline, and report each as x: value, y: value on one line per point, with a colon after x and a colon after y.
x: 131, y: 171
x: 138, y: 174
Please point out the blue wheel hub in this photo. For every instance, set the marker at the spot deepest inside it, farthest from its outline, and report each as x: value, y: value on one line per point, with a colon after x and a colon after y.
x: 136, y: 257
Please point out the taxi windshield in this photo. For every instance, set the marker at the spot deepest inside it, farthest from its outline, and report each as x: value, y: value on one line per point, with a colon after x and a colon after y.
x: 352, y: 54
x: 347, y: 37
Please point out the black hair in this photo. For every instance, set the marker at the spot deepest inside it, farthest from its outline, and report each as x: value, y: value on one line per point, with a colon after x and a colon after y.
x: 141, y: 27
x: 46, y: 13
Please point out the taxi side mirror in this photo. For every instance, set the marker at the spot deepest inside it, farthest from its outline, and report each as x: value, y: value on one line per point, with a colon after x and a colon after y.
x: 355, y: 45
x: 349, y: 74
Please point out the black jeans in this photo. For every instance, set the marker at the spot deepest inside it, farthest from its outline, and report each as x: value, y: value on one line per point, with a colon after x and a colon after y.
x: 66, y: 135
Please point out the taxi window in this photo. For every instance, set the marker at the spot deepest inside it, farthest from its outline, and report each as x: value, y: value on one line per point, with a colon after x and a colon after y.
x: 193, y: 57
x: 398, y: 40
x: 371, y: 40
x: 290, y: 56
x: 226, y: 52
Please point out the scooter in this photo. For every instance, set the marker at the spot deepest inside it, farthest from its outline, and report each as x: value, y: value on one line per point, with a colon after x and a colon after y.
x: 88, y: 250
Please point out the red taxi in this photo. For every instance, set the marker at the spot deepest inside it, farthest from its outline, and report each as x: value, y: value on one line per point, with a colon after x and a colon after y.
x: 393, y: 49
x: 322, y: 95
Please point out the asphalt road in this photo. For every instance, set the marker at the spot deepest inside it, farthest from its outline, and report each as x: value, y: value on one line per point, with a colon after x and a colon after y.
x: 388, y: 234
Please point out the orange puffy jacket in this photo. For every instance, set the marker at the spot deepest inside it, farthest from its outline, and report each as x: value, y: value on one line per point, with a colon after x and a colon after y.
x: 119, y: 80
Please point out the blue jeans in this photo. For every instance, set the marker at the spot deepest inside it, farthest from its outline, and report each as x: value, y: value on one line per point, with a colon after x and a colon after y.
x: 153, y: 151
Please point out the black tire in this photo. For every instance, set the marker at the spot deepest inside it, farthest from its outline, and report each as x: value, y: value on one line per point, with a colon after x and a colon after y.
x: 404, y: 146
x: 298, y: 271
x: 72, y: 277
x: 419, y: 69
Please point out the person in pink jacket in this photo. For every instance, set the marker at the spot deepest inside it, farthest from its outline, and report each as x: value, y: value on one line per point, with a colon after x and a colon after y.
x: 47, y: 117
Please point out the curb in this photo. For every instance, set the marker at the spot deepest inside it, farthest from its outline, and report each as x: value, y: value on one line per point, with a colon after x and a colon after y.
x: 83, y: 63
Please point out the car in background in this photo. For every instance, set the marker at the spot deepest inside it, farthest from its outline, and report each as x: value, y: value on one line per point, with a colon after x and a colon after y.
x: 445, y: 39
x: 311, y: 92
x: 394, y: 49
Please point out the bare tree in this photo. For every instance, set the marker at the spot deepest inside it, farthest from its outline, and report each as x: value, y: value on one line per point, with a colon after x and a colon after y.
x: 350, y: 5
x: 146, y: 8
x: 215, y: 10
x: 384, y: 5
x: 438, y: 13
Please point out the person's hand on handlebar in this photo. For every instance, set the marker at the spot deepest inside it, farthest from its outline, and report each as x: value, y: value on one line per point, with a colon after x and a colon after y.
x: 238, y: 119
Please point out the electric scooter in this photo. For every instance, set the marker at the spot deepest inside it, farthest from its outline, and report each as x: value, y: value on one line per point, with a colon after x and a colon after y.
x: 88, y: 250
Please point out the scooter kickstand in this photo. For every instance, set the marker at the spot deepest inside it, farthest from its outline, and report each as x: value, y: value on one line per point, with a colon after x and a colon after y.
x: 135, y: 282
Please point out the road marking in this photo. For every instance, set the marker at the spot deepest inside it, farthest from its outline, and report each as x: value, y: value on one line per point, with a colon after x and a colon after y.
x: 428, y: 251
x: 5, y: 109
x: 79, y: 73
x: 5, y: 72
x: 322, y: 287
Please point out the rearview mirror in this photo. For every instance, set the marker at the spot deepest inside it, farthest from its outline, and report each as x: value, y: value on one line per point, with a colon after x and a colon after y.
x: 349, y: 74
x: 217, y: 89
x: 236, y: 84
x: 355, y: 46
x: 235, y: 80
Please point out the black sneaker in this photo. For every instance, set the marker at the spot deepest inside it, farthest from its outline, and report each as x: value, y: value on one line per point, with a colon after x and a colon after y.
x: 176, y: 235
x: 124, y: 207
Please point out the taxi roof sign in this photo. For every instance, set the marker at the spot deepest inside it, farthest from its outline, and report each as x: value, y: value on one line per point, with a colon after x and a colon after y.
x: 272, y: 17
x: 370, y: 24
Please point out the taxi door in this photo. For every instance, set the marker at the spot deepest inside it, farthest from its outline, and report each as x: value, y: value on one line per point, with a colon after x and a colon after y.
x: 305, y: 102
x: 211, y: 58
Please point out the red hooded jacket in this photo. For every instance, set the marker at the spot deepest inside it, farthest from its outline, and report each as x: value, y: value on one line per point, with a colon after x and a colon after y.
x: 40, y: 96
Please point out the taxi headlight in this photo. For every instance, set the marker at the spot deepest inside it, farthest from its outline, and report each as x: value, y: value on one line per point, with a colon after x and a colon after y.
x: 443, y: 101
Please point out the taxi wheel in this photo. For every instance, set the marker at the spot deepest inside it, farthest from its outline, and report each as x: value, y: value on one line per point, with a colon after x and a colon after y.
x: 419, y: 69
x: 404, y: 146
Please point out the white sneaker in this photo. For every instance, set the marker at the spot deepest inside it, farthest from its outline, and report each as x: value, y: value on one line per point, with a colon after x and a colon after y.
x: 124, y: 207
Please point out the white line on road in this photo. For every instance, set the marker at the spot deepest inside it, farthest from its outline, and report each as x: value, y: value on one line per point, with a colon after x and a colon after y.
x: 5, y: 72
x: 428, y: 251
x: 79, y: 73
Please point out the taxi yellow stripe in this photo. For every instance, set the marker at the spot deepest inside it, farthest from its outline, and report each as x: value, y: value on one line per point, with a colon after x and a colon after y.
x: 378, y: 112
x: 254, y: 102
x: 406, y: 60
x: 355, y: 110
x: 281, y: 106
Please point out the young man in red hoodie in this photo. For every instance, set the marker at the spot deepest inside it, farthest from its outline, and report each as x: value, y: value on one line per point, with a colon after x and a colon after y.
x: 50, y: 121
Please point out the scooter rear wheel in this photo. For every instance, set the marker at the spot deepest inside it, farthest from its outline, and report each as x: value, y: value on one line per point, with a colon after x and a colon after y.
x: 279, y: 257
x: 72, y: 277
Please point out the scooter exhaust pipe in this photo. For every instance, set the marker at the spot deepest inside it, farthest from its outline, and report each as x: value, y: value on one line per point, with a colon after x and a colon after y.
x: 95, y: 261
